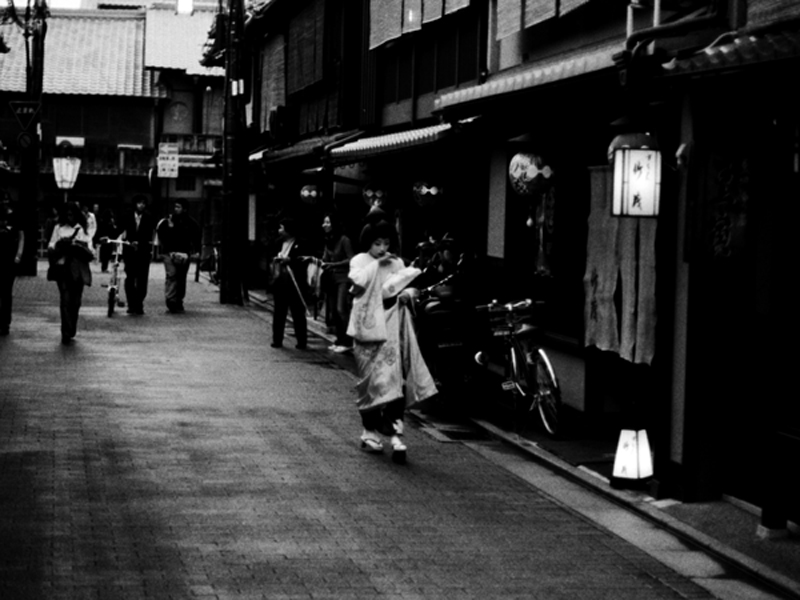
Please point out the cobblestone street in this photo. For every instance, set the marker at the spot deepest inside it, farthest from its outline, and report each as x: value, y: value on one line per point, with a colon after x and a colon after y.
x: 179, y: 456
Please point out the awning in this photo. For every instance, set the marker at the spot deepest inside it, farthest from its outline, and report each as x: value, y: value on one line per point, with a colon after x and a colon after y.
x: 372, y: 146
x: 565, y: 66
x: 737, y: 51
x: 307, y: 150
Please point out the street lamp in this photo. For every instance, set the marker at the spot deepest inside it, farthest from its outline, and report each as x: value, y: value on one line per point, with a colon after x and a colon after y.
x: 66, y: 169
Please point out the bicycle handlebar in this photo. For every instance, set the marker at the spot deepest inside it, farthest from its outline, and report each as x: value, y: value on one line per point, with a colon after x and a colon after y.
x: 509, y: 307
x: 116, y: 242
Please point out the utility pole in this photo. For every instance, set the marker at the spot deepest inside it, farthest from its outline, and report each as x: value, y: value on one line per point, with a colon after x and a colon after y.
x: 234, y: 182
x: 34, y: 28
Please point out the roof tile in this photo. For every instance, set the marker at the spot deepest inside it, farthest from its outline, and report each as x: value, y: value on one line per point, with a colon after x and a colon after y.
x: 86, y: 53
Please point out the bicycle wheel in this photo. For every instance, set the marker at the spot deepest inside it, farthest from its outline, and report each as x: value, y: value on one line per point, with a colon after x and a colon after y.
x: 112, y: 300
x: 548, y: 394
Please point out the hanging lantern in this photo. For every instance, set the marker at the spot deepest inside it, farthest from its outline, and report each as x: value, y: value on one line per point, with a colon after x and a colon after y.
x: 310, y: 194
x: 637, y: 175
x: 372, y: 195
x: 425, y: 194
x: 528, y: 174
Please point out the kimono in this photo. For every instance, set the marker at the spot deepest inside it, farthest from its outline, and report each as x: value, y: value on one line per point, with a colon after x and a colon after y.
x: 387, y: 355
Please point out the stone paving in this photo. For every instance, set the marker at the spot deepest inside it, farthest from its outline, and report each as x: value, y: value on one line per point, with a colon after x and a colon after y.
x: 179, y: 456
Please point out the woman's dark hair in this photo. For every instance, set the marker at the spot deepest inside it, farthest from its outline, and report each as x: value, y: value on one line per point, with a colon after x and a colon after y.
x: 290, y: 225
x: 74, y: 208
x: 374, y: 231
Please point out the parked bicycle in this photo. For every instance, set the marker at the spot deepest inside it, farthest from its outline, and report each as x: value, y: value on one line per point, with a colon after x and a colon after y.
x: 114, y: 299
x: 209, y: 264
x: 529, y: 377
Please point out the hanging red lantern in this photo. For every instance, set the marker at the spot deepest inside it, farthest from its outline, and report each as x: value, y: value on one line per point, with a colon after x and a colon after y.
x: 528, y: 174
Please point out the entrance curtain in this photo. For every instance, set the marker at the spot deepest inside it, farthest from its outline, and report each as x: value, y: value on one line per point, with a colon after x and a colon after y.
x: 620, y: 252
x: 602, y: 270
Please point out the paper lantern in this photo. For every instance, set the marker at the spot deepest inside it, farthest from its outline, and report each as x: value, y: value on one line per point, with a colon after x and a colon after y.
x: 637, y: 175
x: 426, y: 194
x: 373, y: 194
x: 310, y: 194
x: 633, y: 459
x: 528, y: 174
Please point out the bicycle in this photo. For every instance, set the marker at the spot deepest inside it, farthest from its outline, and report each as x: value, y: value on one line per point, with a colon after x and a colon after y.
x: 113, y: 283
x: 529, y: 376
x: 210, y: 264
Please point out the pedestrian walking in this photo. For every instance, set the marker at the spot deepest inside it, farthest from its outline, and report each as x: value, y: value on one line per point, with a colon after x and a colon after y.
x: 107, y: 228
x: 12, y: 243
x: 287, y: 286
x: 393, y: 375
x: 335, y: 263
x: 179, y: 237
x: 138, y: 228
x: 70, y: 253
x: 91, y: 223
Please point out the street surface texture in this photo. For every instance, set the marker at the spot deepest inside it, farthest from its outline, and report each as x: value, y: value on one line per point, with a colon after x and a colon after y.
x: 179, y: 456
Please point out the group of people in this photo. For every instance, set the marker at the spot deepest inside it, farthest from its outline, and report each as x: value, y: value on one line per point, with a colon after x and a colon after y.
x: 76, y: 239
x: 370, y: 295
x: 368, y: 291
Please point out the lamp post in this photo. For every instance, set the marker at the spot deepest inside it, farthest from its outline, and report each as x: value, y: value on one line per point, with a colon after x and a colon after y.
x: 33, y: 23
x: 66, y: 170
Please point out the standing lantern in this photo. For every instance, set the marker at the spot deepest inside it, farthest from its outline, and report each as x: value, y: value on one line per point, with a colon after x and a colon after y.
x: 66, y: 170
x: 637, y: 175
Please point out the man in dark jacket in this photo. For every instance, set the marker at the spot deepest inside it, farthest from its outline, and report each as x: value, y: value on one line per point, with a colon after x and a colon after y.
x: 138, y: 229
x: 179, y: 238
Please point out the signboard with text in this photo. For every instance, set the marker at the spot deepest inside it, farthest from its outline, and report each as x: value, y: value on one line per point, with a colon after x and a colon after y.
x: 168, y: 161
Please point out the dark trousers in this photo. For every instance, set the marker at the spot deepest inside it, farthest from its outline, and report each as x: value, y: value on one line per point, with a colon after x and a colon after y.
x: 137, y: 272
x: 382, y: 417
x: 6, y: 289
x: 71, y: 292
x: 175, y: 282
x: 286, y: 298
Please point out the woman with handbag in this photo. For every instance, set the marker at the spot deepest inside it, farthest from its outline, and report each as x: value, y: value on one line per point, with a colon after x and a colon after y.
x: 70, y: 253
x: 393, y: 375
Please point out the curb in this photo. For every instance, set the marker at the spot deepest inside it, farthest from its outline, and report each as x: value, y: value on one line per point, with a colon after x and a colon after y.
x: 642, y: 505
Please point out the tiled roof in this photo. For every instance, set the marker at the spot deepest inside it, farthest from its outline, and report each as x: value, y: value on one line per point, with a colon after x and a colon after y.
x: 565, y: 66
x: 739, y: 51
x: 96, y: 53
x: 380, y: 144
x: 175, y: 41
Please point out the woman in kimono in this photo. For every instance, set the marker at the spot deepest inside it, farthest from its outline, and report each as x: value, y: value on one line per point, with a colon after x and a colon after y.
x: 392, y: 372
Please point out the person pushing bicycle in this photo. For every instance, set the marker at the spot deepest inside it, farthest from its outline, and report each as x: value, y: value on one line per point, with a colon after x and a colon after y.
x: 138, y: 229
